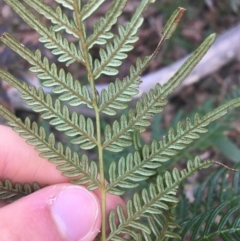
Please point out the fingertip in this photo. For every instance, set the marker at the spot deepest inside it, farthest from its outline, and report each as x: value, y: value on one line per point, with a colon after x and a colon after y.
x: 59, y: 212
x: 20, y: 162
x: 80, y: 219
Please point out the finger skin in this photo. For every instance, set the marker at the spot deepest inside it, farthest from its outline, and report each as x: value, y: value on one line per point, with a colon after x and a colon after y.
x: 30, y: 218
x: 20, y: 162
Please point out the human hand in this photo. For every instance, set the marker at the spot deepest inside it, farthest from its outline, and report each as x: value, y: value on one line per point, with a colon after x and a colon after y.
x: 58, y: 212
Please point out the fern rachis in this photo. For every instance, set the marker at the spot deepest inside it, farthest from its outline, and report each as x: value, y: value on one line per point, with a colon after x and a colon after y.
x: 155, y: 204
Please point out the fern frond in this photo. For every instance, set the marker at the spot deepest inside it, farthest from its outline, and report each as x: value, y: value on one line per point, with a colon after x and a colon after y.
x: 157, y: 198
x: 129, y: 173
x: 215, y: 132
x: 89, y: 8
x: 218, y: 187
x: 217, y: 195
x: 210, y: 184
x: 101, y: 29
x: 62, y: 83
x: 149, y: 214
x: 115, y: 137
x: 122, y: 91
x: 10, y: 192
x: 56, y: 16
x: 59, y: 46
x: 77, y: 6
x: 62, y: 22
x: 66, y: 3
x: 143, y: 165
x: 215, y: 223
x: 67, y: 161
x: 122, y: 43
x: 151, y: 104
x: 72, y: 125
x: 172, y: 23
x: 167, y: 224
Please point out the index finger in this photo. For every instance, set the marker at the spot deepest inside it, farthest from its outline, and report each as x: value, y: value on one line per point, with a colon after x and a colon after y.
x: 20, y: 162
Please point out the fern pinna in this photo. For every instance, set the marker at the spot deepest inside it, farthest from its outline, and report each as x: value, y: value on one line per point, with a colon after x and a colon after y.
x: 149, y: 214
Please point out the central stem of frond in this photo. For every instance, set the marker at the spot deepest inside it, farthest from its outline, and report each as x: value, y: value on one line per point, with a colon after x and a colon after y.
x: 88, y: 64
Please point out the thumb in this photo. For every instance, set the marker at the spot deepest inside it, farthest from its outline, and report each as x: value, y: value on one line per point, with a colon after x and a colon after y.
x: 59, y: 212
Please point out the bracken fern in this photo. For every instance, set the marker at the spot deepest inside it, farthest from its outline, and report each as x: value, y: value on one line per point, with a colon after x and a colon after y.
x: 215, y: 210
x: 149, y: 214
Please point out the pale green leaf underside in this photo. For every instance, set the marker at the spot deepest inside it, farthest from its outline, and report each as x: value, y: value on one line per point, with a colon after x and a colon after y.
x: 70, y: 90
x: 72, y: 124
x: 10, y: 192
x: 157, y: 198
x: 88, y: 9
x: 57, y: 17
x: 133, y: 168
x: 121, y: 92
x: 59, y: 46
x: 101, y: 29
x: 66, y: 3
x: 116, y: 49
x: 67, y: 161
x: 119, y: 135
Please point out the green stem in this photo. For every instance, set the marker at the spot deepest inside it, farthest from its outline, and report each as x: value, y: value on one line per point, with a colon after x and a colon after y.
x: 87, y: 57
